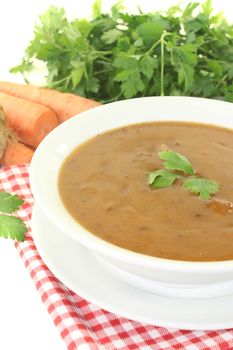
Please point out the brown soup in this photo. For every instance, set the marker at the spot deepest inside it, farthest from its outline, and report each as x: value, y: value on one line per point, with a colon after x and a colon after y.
x: 103, y: 185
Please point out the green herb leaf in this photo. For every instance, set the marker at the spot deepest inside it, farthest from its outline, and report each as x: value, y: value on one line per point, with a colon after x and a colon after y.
x: 9, y: 202
x: 184, y: 59
x: 151, y: 31
x: 147, y: 65
x: 185, y: 74
x: 111, y: 36
x: 133, y: 85
x: 117, y: 8
x: 161, y: 178
x: 207, y: 7
x: 204, y: 187
x: 188, y: 11
x: 92, y: 84
x: 76, y: 75
x: 176, y: 161
x: 96, y: 8
x: 125, y: 61
x: 12, y: 227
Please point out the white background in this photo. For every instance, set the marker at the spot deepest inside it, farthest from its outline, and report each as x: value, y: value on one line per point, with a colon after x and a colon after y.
x: 24, y: 322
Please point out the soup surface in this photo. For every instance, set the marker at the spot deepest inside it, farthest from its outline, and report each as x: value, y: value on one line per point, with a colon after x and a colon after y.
x: 103, y: 185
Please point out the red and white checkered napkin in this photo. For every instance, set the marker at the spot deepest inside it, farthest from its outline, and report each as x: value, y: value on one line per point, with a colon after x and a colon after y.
x: 85, y: 326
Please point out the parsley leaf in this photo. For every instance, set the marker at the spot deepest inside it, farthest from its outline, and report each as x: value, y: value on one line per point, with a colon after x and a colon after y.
x: 151, y: 31
x: 147, y: 65
x: 9, y: 202
x: 96, y: 8
x: 77, y: 74
x: 176, y: 161
x: 12, y: 227
x: 132, y: 85
x: 111, y: 36
x: 204, y: 187
x: 161, y: 178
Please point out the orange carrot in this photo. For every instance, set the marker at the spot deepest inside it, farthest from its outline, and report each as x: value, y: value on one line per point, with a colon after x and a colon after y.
x: 3, y: 133
x: 16, y: 153
x: 65, y: 105
x: 30, y: 121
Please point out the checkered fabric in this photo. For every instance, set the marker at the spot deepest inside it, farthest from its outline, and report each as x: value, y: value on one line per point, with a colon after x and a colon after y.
x: 85, y: 326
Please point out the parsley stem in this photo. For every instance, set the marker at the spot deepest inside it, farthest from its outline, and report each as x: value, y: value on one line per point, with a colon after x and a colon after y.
x: 105, y: 59
x: 153, y: 47
x: 221, y: 81
x: 103, y: 71
x: 162, y: 42
x: 162, y: 69
x: 112, y: 99
x: 103, y: 52
x: 54, y: 83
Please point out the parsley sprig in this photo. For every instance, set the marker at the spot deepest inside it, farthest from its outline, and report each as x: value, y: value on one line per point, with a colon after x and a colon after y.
x: 11, y: 226
x: 175, y: 162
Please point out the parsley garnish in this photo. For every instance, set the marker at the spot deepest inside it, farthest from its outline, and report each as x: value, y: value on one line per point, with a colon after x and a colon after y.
x: 11, y: 226
x: 204, y: 187
x: 174, y: 161
x: 162, y: 178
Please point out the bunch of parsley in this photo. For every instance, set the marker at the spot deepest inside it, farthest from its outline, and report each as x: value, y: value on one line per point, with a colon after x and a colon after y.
x: 120, y: 55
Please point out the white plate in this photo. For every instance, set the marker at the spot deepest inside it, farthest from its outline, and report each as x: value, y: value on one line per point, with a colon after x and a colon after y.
x: 82, y: 272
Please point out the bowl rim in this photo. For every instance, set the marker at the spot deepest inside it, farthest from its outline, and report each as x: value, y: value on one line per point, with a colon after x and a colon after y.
x: 99, y: 245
